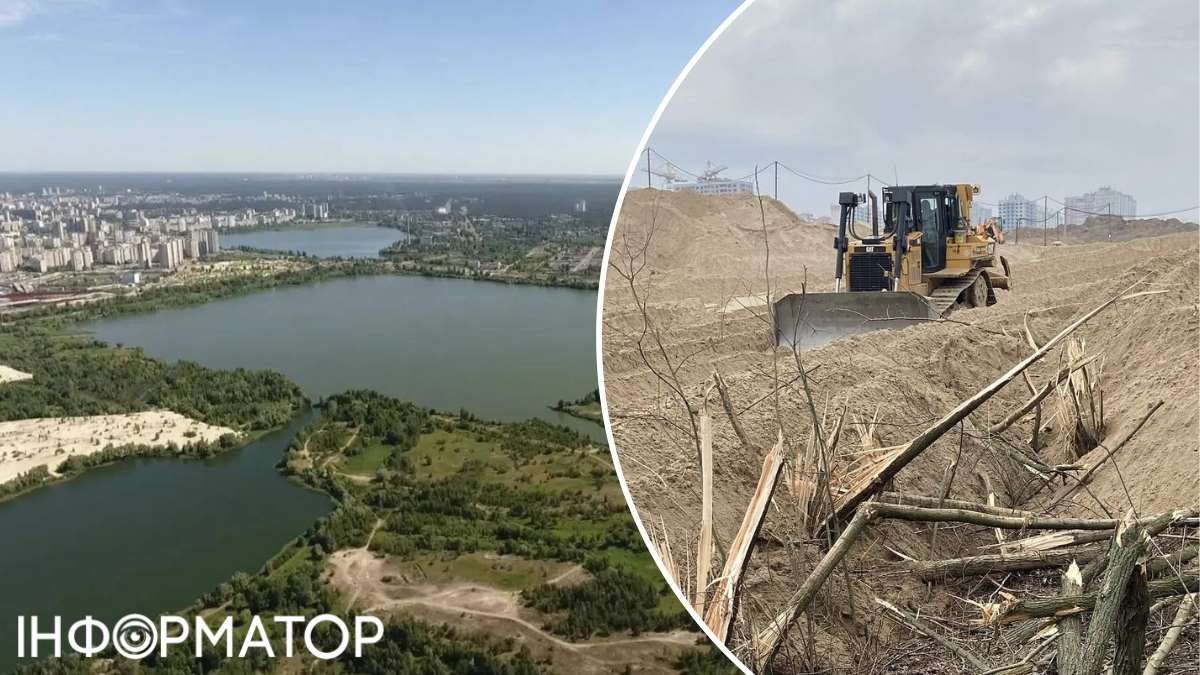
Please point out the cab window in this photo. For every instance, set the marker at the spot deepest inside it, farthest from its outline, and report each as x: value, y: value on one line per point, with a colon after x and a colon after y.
x: 928, y: 212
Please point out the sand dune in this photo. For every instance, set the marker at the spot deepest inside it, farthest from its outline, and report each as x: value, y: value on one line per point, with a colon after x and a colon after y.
x: 12, y: 375
x: 47, y: 441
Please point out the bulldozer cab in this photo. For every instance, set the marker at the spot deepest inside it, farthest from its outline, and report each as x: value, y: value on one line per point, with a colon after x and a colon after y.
x: 936, y: 211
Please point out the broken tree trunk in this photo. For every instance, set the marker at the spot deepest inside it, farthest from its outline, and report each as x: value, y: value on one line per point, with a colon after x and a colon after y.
x: 1128, y: 546
x: 768, y: 640
x: 1160, y: 566
x: 720, y: 611
x: 1188, y: 581
x: 932, y: 570
x: 1070, y: 628
x: 1082, y: 402
x: 849, y: 502
x: 936, y: 503
x: 1131, y: 622
x: 1151, y: 528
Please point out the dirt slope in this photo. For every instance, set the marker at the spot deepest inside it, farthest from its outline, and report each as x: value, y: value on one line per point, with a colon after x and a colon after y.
x: 369, y: 582
x: 1149, y: 349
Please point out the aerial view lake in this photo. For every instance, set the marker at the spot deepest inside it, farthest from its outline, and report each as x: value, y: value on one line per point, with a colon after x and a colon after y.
x: 504, y: 352
x: 181, y: 527
x: 350, y: 241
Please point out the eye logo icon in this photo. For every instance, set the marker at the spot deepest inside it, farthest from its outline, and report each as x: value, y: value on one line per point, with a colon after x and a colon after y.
x: 135, y: 636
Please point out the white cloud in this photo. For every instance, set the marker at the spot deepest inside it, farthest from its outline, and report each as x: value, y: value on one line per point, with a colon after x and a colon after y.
x: 13, y: 12
x: 1098, y: 70
x: 16, y: 12
x: 1036, y: 97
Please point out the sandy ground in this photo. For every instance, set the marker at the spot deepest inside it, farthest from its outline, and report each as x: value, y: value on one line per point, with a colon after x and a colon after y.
x: 703, y: 278
x: 359, y: 573
x: 25, y: 444
x: 12, y: 375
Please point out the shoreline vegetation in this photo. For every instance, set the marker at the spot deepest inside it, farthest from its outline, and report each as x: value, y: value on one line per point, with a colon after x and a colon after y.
x: 78, y: 377
x: 585, y: 408
x: 295, y: 270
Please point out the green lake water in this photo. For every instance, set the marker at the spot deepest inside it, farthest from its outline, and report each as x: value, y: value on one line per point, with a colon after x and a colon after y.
x: 146, y: 535
x: 152, y: 535
x: 353, y: 241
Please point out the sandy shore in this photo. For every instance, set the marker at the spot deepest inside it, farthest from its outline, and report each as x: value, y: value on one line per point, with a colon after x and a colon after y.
x: 25, y: 444
x: 12, y: 375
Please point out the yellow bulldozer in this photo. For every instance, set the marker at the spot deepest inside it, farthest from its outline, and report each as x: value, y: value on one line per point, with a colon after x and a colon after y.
x: 927, y: 260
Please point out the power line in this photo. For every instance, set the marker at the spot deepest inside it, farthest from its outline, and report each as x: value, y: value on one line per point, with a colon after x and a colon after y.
x: 805, y: 175
x: 825, y: 180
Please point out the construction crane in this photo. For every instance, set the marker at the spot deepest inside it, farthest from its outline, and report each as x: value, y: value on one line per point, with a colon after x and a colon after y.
x: 669, y: 175
x: 710, y: 171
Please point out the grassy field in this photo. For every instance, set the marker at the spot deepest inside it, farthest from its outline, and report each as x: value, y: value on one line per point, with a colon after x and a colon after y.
x: 367, y: 461
x: 443, y: 453
x: 508, y: 573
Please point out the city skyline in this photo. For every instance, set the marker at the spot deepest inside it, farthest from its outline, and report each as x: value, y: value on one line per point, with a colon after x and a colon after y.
x: 166, y: 87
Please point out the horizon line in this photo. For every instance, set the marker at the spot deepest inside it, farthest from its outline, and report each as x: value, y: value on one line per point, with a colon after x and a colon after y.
x: 212, y: 172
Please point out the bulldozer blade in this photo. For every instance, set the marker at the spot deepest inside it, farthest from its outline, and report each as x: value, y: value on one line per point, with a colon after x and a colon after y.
x: 813, y: 319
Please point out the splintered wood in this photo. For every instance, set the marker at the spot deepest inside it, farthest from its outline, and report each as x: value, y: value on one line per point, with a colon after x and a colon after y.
x: 704, y: 549
x: 837, y: 495
x: 1081, y: 402
x: 812, y: 474
x: 720, y: 612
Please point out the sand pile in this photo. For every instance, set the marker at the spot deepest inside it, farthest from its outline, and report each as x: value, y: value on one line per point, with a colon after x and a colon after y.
x: 904, y: 379
x: 716, y: 245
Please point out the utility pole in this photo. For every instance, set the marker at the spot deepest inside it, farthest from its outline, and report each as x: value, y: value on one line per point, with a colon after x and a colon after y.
x: 1045, y: 210
x: 776, y: 180
x: 648, y: 185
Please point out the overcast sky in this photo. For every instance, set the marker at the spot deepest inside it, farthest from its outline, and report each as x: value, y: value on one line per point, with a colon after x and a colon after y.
x: 1031, y: 97
x: 473, y: 86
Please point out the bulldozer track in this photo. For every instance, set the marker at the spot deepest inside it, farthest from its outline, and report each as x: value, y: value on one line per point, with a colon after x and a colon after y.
x: 944, y: 298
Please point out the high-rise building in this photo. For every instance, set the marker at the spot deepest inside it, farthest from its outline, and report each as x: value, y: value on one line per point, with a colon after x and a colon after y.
x: 212, y: 243
x: 1017, y: 211
x: 1106, y: 201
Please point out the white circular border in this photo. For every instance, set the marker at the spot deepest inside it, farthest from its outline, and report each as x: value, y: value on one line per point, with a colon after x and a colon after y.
x: 612, y: 446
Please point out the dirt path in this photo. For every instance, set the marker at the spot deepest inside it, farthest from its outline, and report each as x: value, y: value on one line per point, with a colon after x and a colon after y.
x: 443, y: 601
x: 574, y: 570
x: 365, y: 550
x: 334, y: 455
x: 361, y: 573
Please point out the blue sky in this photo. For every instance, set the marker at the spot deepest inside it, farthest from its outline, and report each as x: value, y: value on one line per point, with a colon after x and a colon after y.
x: 445, y: 87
